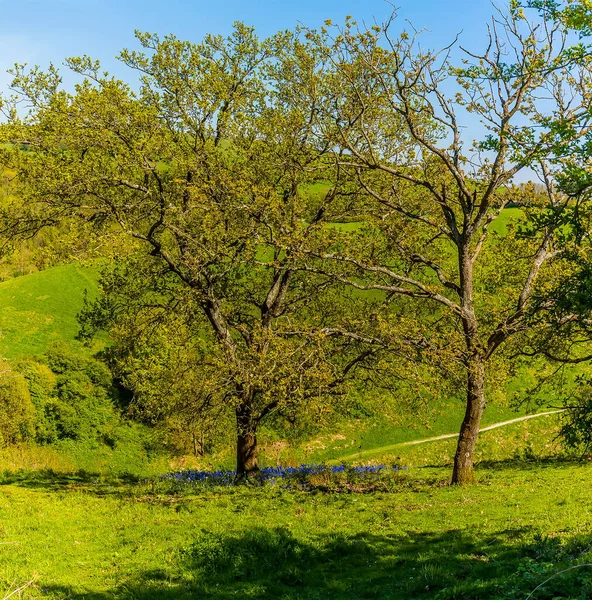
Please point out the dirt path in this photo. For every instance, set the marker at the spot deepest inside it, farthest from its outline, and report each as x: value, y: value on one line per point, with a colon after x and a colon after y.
x: 446, y: 436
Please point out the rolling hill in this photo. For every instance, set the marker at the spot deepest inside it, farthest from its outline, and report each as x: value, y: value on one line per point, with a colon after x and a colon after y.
x: 41, y: 308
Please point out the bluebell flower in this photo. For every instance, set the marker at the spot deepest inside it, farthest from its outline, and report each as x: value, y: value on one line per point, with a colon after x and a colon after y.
x: 298, y: 475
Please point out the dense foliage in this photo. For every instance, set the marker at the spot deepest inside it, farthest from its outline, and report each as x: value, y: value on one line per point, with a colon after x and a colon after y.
x: 62, y: 395
x: 17, y: 412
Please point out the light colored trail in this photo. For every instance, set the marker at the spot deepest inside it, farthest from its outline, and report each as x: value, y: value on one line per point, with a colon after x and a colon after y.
x: 446, y: 436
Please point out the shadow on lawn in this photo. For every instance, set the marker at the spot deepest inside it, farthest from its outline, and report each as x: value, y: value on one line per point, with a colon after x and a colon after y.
x: 517, y: 463
x: 47, y: 479
x: 273, y: 564
x: 530, y: 464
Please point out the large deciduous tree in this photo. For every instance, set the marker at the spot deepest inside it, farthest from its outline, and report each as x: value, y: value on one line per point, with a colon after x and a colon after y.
x: 206, y: 168
x: 435, y: 148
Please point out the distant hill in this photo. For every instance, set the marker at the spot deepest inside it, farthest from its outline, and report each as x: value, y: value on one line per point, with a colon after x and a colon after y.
x: 41, y: 308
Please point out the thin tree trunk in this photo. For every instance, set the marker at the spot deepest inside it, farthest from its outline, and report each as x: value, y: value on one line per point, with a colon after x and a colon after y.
x: 463, y: 472
x: 198, y: 444
x: 247, y: 459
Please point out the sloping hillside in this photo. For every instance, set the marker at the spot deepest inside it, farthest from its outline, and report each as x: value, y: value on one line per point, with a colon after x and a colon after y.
x: 38, y: 309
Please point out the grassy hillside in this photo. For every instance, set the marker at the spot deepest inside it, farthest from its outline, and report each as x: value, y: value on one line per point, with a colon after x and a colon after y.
x: 364, y: 440
x: 41, y: 308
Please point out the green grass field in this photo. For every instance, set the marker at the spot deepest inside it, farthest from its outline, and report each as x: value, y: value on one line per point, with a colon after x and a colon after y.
x: 80, y: 536
x: 508, y: 215
x: 365, y: 438
x: 83, y: 535
x: 41, y: 308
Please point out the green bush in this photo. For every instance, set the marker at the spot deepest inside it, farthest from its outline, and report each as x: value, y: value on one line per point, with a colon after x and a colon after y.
x: 17, y: 412
x: 41, y: 382
x: 73, y: 396
x: 74, y: 405
x: 83, y: 409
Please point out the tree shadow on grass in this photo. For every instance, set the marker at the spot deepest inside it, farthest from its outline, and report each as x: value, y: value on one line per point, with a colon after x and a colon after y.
x: 531, y: 464
x: 48, y: 479
x: 515, y: 463
x: 274, y: 564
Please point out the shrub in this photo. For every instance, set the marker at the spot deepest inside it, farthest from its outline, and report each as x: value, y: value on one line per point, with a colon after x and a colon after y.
x: 73, y: 396
x: 17, y: 412
x: 41, y: 382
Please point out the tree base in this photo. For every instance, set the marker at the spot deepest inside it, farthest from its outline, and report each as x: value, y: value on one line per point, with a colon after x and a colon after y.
x: 463, y: 476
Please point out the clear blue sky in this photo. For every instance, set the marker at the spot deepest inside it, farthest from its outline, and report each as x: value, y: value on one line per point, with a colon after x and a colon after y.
x: 43, y: 31
x: 40, y: 31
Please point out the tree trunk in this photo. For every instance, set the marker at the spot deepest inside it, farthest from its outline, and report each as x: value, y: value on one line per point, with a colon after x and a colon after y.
x: 198, y: 444
x: 247, y: 460
x: 463, y: 472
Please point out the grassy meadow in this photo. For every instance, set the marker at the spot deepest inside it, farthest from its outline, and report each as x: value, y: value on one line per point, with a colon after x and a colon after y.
x: 83, y: 535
